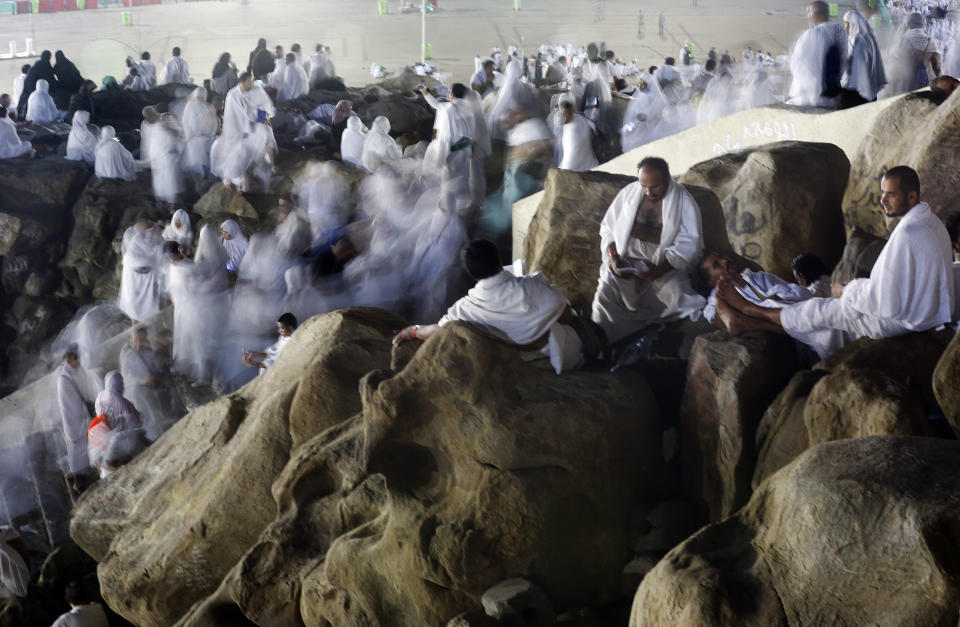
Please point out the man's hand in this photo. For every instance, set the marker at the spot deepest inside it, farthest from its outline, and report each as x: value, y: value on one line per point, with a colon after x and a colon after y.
x: 405, y: 335
x: 836, y: 289
x: 616, y: 262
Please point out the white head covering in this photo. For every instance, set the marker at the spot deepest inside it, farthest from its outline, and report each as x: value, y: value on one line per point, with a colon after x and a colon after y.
x: 120, y: 413
x: 182, y: 234
x: 379, y: 147
x: 643, y: 115
x: 10, y: 143
x: 209, y: 248
x: 514, y: 95
x: 82, y: 143
x: 236, y: 246
x: 352, y: 141
x: 40, y: 106
x: 113, y: 161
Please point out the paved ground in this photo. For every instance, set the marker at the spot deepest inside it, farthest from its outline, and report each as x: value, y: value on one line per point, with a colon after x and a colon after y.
x: 98, y: 43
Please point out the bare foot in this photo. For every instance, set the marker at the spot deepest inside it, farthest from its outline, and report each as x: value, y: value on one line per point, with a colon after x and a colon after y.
x: 728, y: 293
x: 734, y: 321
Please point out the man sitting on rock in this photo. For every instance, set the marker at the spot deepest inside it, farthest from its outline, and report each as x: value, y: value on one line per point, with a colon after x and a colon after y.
x: 911, y: 286
x: 286, y: 325
x: 84, y: 612
x: 650, y: 238
x: 525, y: 311
x: 761, y: 288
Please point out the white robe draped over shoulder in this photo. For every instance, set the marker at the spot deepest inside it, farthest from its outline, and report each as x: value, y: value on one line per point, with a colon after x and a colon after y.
x: 11, y: 145
x: 14, y: 572
x: 622, y: 305
x: 82, y: 143
x: 72, y: 395
x: 140, y: 292
x: 577, y: 145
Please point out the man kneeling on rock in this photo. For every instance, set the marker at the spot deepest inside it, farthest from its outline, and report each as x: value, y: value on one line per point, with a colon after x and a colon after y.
x: 525, y: 311
x: 910, y: 288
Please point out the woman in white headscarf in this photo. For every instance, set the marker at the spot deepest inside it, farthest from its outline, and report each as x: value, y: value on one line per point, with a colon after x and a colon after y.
x: 234, y: 242
x: 82, y: 142
x: 514, y: 96
x: 180, y: 231
x: 199, y: 130
x: 352, y: 141
x: 112, y: 160
x: 40, y: 106
x: 864, y: 74
x: 123, y: 436
x: 641, y: 122
x: 718, y: 99
x: 914, y: 58
x: 11, y: 146
x: 378, y: 147
x: 142, y: 261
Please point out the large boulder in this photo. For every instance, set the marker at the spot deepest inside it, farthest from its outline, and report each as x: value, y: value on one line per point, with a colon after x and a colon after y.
x: 563, y: 240
x: 780, y: 200
x: 869, y: 387
x: 168, y: 527
x: 946, y: 383
x: 913, y: 131
x: 730, y: 381
x: 467, y: 467
x: 859, y: 256
x: 854, y: 532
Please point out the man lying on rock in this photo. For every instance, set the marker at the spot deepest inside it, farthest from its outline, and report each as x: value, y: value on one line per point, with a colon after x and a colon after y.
x: 650, y: 238
x: 525, y: 311
x: 911, y: 286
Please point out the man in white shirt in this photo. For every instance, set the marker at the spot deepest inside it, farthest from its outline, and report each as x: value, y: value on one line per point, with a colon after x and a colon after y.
x: 525, y: 311
x: 177, y: 70
x: 83, y: 612
x: 149, y: 73
x: 295, y: 82
x: 577, y: 140
x: 286, y: 325
x: 818, y: 60
x: 911, y: 286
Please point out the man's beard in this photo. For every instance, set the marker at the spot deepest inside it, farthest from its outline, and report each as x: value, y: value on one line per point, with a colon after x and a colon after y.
x: 891, y: 222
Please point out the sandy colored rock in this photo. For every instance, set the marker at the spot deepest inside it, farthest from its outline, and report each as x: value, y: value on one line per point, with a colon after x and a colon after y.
x: 853, y: 532
x: 859, y: 256
x: 946, y: 383
x: 219, y: 200
x: 779, y: 200
x: 9, y: 230
x: 869, y: 387
x: 467, y: 467
x: 730, y: 381
x: 168, y: 527
x: 563, y: 240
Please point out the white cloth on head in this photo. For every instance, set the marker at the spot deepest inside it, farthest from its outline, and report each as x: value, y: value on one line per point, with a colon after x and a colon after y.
x: 149, y: 73
x: 91, y: 615
x: 14, y: 572
x: 165, y: 151
x: 762, y: 288
x: 10, y: 143
x: 182, y: 234
x: 198, y: 293
x: 622, y: 305
x: 142, y: 261
x: 642, y: 120
x: 199, y: 130
x: 378, y: 147
x: 352, y: 141
x: 911, y: 288
x: 82, y: 143
x: 808, y: 64
x: 178, y: 72
x: 18, y: 89
x: 72, y: 397
x: 864, y: 74
x: 112, y: 159
x: 517, y: 309
x: 577, y: 145
x: 295, y: 83
x: 40, y: 106
x: 236, y: 246
x: 119, y: 412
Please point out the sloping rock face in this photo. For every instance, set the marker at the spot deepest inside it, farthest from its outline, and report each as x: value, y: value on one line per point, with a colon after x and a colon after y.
x: 870, y: 387
x: 408, y: 496
x: 913, y: 131
x: 169, y: 526
x: 859, y: 256
x: 730, y: 381
x: 563, y: 240
x: 780, y: 200
x: 854, y: 532
x: 946, y: 383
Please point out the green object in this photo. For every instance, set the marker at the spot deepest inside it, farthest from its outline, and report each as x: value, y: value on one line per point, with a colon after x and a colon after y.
x: 872, y: 4
x: 81, y: 4
x: 426, y: 51
x: 35, y: 6
x: 382, y: 7
x: 516, y: 5
x: 126, y: 18
x: 8, y: 7
x: 833, y: 9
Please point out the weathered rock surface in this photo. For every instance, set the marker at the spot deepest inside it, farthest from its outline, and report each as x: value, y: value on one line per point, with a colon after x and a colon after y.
x: 780, y: 200
x: 870, y: 387
x: 854, y: 532
x: 467, y: 467
x: 946, y: 383
x: 916, y: 132
x: 169, y: 526
x: 563, y: 240
x: 730, y: 381
x: 859, y: 256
